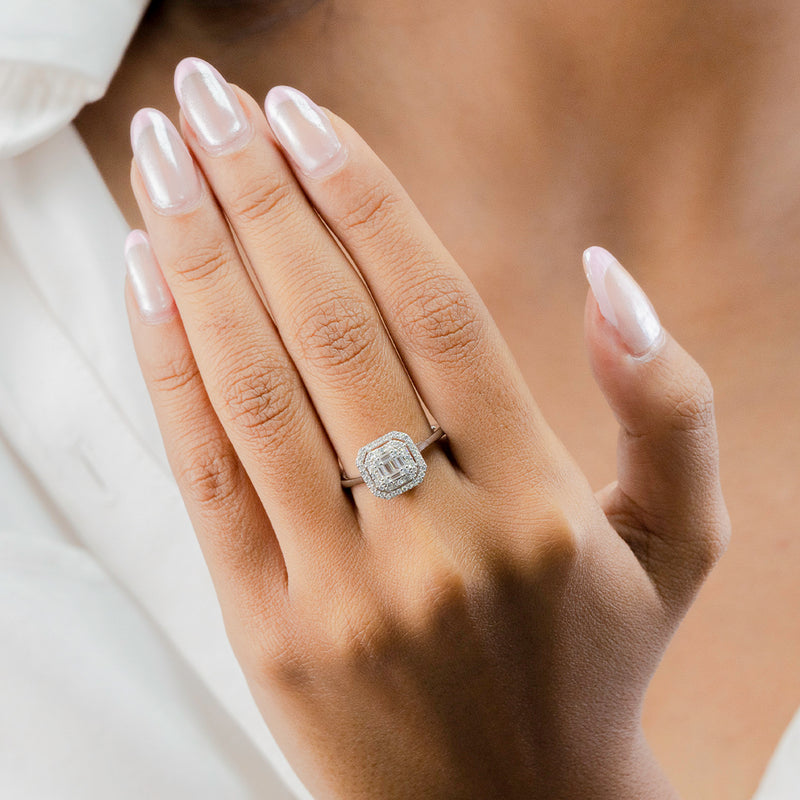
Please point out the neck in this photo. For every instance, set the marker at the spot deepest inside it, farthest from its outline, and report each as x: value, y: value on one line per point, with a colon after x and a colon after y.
x: 557, y: 123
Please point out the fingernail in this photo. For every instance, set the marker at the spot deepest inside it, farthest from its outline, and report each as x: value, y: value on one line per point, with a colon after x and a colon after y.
x: 210, y: 107
x: 169, y: 172
x: 304, y: 131
x: 150, y: 290
x: 622, y: 302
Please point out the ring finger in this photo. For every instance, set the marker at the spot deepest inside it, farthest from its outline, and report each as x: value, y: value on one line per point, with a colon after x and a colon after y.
x: 251, y: 382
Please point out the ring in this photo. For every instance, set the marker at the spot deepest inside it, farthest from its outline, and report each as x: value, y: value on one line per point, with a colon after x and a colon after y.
x: 392, y: 464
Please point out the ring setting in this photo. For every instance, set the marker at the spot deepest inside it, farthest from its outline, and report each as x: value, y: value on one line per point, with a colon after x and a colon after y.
x: 392, y: 464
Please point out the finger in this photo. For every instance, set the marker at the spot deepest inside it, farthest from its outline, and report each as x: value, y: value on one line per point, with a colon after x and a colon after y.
x: 323, y: 311
x: 667, y: 500
x: 235, y: 535
x: 250, y: 380
x: 454, y: 352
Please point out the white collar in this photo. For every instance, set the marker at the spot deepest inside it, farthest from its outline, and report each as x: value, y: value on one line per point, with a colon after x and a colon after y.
x: 56, y: 56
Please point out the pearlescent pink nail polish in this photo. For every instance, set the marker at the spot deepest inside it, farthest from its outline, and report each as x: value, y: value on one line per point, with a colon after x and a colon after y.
x: 211, y: 107
x: 622, y: 302
x: 304, y: 131
x: 150, y: 290
x: 169, y: 172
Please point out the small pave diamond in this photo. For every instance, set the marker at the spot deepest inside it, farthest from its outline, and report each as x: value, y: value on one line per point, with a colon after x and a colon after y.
x: 391, y: 465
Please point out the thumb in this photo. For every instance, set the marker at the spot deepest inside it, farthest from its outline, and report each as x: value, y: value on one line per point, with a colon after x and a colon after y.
x: 667, y: 502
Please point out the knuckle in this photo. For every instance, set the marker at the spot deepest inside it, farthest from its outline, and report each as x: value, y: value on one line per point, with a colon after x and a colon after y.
x: 211, y: 476
x: 177, y: 374
x: 440, y: 320
x: 693, y: 409
x: 339, y: 335
x: 714, y: 543
x: 365, y: 640
x: 261, y: 402
x: 374, y: 211
x: 266, y: 197
x: 440, y: 596
x: 540, y: 536
x: 201, y: 263
x: 684, y: 566
x: 556, y: 539
x: 373, y: 633
x: 282, y: 659
x: 357, y: 630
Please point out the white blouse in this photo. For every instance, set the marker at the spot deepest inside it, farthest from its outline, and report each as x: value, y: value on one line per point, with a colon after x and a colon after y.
x: 116, y: 677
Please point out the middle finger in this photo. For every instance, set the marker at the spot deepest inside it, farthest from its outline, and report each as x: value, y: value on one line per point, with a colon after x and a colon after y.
x: 327, y: 319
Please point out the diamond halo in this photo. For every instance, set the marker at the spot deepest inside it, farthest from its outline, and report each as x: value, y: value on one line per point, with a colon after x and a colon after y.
x: 391, y: 465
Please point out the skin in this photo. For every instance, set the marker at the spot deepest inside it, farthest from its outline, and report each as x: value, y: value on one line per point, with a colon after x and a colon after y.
x: 673, y: 187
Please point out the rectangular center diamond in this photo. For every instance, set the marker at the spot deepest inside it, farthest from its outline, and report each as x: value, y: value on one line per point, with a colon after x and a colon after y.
x: 391, y: 465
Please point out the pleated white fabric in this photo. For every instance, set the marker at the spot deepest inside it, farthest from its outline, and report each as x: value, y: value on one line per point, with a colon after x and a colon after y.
x: 116, y: 678
x: 77, y: 427
x: 56, y: 56
x: 96, y: 702
x: 781, y: 781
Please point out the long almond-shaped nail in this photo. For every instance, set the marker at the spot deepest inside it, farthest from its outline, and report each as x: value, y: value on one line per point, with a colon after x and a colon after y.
x: 622, y: 302
x: 150, y: 290
x: 169, y: 173
x: 211, y: 107
x: 304, y: 131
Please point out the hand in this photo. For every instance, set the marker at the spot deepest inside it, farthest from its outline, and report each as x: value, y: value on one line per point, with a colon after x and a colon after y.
x: 489, y: 633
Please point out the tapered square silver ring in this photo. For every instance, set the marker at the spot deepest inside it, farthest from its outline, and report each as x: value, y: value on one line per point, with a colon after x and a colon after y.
x: 392, y: 464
